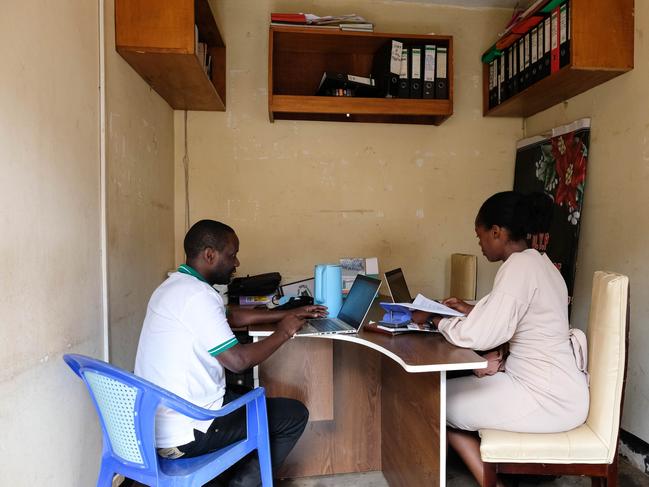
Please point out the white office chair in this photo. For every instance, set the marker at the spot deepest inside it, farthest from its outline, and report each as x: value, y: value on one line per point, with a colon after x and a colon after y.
x: 590, y: 449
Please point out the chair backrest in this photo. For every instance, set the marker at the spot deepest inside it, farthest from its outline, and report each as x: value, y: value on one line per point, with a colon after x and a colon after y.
x: 126, y: 405
x: 607, y: 355
x: 463, y: 276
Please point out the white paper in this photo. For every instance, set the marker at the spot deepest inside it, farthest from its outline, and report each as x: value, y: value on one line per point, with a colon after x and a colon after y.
x: 422, y: 303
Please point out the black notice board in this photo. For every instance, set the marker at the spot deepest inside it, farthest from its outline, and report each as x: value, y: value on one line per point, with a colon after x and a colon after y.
x: 557, y: 166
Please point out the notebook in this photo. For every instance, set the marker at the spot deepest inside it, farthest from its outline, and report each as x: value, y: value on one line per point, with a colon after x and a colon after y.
x: 351, y: 315
x: 397, y: 286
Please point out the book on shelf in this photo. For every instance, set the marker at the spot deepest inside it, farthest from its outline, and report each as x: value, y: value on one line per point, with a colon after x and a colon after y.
x: 311, y: 19
x: 305, y: 26
x: 289, y: 18
x: 365, y: 27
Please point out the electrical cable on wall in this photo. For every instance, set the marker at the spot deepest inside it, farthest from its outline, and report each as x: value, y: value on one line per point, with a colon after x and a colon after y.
x: 186, y: 168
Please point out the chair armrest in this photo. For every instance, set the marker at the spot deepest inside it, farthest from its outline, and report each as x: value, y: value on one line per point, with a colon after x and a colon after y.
x: 180, y: 405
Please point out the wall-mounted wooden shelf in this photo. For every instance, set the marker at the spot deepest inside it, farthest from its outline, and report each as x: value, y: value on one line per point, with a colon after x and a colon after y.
x: 299, y: 56
x: 157, y: 38
x: 601, y: 48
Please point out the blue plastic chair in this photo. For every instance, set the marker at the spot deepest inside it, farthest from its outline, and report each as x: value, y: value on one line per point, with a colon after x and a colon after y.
x: 126, y: 405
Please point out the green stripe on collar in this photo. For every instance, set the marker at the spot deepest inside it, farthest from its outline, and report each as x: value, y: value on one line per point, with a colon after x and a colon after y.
x: 186, y: 269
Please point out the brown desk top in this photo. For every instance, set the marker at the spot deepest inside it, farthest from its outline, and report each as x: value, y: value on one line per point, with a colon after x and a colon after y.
x: 415, y: 352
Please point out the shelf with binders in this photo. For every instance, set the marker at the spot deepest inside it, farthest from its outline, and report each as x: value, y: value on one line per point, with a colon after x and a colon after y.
x: 298, y: 58
x: 176, y: 47
x: 597, y: 46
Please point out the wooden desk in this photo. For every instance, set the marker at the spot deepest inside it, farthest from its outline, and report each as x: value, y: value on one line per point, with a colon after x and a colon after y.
x: 368, y: 410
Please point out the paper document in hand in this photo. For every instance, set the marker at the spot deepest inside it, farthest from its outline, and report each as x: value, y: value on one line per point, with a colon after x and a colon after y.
x: 422, y: 303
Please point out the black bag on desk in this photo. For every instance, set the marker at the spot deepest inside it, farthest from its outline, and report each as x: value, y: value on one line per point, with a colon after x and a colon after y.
x: 259, y: 285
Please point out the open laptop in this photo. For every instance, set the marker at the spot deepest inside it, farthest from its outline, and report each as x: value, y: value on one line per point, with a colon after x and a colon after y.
x: 351, y: 315
x: 397, y: 286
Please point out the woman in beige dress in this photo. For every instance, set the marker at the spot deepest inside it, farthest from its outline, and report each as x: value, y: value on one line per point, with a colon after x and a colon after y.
x: 541, y: 389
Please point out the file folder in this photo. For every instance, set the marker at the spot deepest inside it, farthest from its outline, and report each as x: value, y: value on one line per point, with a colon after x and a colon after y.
x: 521, y: 64
x: 502, y: 86
x: 404, y: 75
x: 534, y: 63
x: 564, y: 39
x: 490, y: 85
x: 441, y: 76
x: 386, y: 68
x: 513, y: 71
x: 547, y: 44
x: 429, y: 71
x: 555, y: 29
x: 416, y: 81
x: 527, y: 68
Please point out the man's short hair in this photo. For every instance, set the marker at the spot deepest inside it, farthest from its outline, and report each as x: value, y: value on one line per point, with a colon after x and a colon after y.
x: 204, y: 234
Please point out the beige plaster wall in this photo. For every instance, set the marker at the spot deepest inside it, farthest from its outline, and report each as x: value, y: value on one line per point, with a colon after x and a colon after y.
x: 301, y: 193
x: 50, y: 298
x: 139, y: 147
x: 615, y: 220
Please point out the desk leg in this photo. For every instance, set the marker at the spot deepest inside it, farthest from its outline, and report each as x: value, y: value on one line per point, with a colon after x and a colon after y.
x: 255, y: 369
x: 442, y: 429
x: 411, y: 427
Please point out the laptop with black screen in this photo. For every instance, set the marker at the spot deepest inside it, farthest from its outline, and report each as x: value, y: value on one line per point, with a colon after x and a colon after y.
x: 397, y: 286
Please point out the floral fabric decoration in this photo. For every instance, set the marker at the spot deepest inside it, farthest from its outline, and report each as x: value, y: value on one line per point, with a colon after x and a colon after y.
x: 562, y: 170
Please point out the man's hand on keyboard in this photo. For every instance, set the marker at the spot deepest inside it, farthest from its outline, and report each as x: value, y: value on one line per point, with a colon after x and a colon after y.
x: 290, y: 325
x: 311, y: 311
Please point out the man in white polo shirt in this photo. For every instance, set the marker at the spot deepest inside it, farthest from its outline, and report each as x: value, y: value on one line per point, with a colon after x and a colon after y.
x: 186, y: 342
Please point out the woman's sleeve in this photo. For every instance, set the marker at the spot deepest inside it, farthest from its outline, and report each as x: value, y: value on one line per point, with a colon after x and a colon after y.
x: 495, y: 317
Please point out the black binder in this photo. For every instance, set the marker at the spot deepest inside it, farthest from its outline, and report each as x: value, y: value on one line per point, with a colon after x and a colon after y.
x: 527, y: 56
x: 521, y: 64
x: 416, y: 78
x: 493, y: 84
x: 404, y: 75
x: 441, y: 73
x: 429, y: 71
x: 502, y: 83
x: 534, y: 56
x: 547, y: 45
x: 512, y: 85
x: 564, y: 23
x: 386, y: 68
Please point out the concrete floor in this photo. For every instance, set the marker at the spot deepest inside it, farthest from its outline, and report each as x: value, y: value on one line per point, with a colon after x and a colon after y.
x: 458, y: 476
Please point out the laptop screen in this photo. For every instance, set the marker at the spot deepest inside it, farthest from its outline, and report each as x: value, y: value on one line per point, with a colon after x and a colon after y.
x: 358, y: 300
x: 397, y: 286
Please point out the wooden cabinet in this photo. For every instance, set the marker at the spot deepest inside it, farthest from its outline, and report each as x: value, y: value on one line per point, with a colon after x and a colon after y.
x: 601, y: 48
x: 298, y: 57
x: 157, y: 38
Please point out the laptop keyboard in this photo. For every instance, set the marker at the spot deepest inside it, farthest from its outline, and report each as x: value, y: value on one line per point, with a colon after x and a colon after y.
x: 325, y: 324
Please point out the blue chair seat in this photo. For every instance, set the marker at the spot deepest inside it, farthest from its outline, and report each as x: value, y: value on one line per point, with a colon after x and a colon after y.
x: 126, y: 405
x: 184, y: 467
